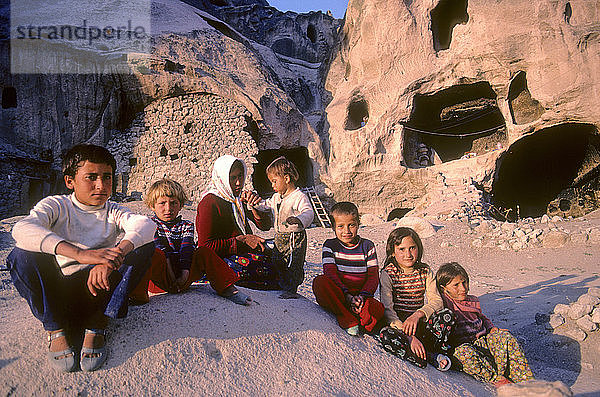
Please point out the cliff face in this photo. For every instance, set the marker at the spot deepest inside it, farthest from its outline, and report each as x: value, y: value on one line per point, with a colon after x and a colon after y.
x: 420, y: 83
x: 386, y: 108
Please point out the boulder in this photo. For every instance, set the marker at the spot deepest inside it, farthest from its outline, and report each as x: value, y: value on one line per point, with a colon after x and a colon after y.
x: 555, y: 239
x: 561, y: 309
x: 535, y: 388
x: 586, y: 324
x: 587, y: 299
x: 578, y: 334
x: 556, y: 320
x: 422, y: 226
x: 577, y: 310
x: 594, y: 291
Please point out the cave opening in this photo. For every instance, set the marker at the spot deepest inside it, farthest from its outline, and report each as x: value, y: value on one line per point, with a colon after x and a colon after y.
x: 311, y: 33
x: 444, y: 17
x: 558, y: 164
x: 9, y: 97
x: 398, y: 213
x: 284, y: 46
x: 357, y: 114
x: 462, y: 120
x: 298, y: 156
x: 523, y: 108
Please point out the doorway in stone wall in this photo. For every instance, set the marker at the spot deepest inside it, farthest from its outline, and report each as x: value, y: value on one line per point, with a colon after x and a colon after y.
x: 559, y: 162
x: 462, y: 120
x: 298, y: 156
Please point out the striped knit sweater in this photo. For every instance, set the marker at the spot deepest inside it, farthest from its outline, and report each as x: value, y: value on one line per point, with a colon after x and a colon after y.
x: 408, y: 289
x: 176, y: 240
x: 353, y: 269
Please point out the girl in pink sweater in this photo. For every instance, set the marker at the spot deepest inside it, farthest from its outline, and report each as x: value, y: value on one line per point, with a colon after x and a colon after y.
x: 483, y: 351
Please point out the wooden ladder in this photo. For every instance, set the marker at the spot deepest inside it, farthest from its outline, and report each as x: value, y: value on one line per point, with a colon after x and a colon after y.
x: 321, y: 216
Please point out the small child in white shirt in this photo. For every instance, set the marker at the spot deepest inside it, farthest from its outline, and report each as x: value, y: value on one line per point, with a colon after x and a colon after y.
x: 293, y: 213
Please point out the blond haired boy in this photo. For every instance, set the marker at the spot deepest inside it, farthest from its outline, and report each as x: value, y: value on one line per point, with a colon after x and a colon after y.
x: 176, y: 262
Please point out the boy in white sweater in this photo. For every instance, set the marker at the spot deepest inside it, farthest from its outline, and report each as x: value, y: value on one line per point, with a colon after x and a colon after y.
x: 69, y: 264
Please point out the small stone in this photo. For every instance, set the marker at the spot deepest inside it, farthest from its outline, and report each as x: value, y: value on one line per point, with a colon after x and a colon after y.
x: 557, y: 218
x: 596, y: 315
x: 594, y: 291
x: 587, y: 299
x: 578, y: 334
x: 508, y: 227
x: 545, y: 219
x: 477, y: 243
x: 444, y: 244
x: 555, y: 239
x: 586, y: 324
x: 556, y: 320
x: 577, y: 310
x: 561, y: 309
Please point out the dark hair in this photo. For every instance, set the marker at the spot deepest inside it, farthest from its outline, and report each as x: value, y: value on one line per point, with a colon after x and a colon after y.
x: 282, y: 166
x: 344, y: 207
x: 395, y: 238
x: 75, y: 156
x: 447, y: 272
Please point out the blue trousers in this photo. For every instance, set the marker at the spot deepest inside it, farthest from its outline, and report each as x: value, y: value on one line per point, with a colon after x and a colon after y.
x: 60, y: 301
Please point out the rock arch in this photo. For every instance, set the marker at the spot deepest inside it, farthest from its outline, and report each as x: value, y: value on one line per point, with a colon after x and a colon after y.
x: 537, y: 168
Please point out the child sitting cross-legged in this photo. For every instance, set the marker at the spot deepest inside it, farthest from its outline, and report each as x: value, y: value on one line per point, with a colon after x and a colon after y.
x: 351, y: 274
x: 412, y: 302
x: 176, y: 264
x: 69, y: 264
x: 482, y: 350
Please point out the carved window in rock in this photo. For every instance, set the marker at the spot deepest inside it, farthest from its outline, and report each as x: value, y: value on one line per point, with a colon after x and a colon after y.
x: 311, y: 33
x: 523, y: 108
x: 357, y: 114
x: 444, y: 17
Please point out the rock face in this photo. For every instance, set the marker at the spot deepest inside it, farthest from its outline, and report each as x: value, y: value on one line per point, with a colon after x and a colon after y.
x: 418, y: 104
x: 438, y: 80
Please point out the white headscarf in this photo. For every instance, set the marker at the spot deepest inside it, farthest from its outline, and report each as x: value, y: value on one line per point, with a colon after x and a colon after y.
x: 220, y: 187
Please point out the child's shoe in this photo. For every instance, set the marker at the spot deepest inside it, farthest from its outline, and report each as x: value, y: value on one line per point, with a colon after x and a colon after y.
x: 441, y: 362
x: 354, y: 331
x: 92, y: 358
x: 64, y: 360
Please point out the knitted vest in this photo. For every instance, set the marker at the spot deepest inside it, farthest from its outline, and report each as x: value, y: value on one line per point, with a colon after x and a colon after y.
x: 408, y: 290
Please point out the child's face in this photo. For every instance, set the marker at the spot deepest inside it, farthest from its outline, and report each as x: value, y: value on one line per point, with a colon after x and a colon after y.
x: 457, y: 289
x: 406, y: 253
x: 346, y: 228
x: 280, y: 183
x: 92, y: 183
x: 167, y: 208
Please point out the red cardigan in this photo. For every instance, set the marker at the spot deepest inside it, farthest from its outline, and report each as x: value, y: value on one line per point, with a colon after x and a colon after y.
x: 217, y: 228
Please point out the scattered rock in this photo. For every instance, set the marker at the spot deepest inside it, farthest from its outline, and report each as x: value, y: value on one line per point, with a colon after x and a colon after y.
x: 561, y: 309
x: 556, y: 320
x: 577, y: 310
x: 423, y: 227
x: 508, y: 227
x: 545, y: 219
x: 586, y: 324
x: 445, y: 244
x: 555, y: 239
x: 557, y: 218
x: 596, y: 315
x: 587, y: 299
x: 535, y: 388
x: 477, y: 243
x: 578, y: 334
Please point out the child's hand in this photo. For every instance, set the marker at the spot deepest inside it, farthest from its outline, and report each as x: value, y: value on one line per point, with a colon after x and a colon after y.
x: 417, y: 347
x: 171, y: 279
x: 98, y: 279
x: 409, y: 326
x: 250, y: 198
x: 252, y: 241
x: 292, y: 220
x: 111, y: 257
x: 182, y: 279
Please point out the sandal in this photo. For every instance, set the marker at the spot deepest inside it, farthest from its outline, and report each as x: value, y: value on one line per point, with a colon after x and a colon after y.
x: 64, y: 360
x: 239, y: 298
x: 92, y: 358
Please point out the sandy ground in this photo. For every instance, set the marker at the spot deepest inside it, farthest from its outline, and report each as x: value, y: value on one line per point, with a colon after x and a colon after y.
x: 200, y: 344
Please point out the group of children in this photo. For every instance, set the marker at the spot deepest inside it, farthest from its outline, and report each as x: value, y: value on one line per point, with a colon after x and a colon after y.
x: 70, y: 267
x: 421, y: 317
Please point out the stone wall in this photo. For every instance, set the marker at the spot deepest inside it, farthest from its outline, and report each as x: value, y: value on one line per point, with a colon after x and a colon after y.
x: 23, y: 183
x: 180, y: 138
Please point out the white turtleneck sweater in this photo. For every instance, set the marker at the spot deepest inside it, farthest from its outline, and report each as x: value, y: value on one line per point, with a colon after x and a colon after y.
x: 63, y: 218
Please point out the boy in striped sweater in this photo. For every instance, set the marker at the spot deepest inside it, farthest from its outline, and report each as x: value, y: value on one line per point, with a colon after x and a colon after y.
x: 350, y: 274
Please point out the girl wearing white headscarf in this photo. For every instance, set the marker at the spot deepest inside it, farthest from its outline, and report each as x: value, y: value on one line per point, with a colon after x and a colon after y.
x: 222, y: 221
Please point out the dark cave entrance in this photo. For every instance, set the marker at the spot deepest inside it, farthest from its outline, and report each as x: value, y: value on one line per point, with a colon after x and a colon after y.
x: 311, y: 33
x: 357, y: 114
x: 9, y: 97
x: 398, y: 213
x: 298, y: 156
x: 457, y: 121
x: 444, y: 17
x: 558, y: 163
